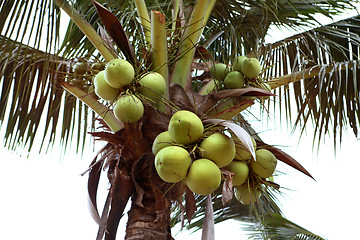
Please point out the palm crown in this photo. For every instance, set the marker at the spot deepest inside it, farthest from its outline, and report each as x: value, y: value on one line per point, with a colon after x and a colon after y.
x: 181, y: 40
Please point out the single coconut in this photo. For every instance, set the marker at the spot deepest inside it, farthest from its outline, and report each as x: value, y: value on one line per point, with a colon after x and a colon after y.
x: 237, y: 63
x: 251, y: 67
x: 161, y: 141
x: 204, y: 176
x: 185, y: 127
x: 246, y: 195
x: 219, y: 71
x: 172, y: 163
x: 80, y: 68
x: 103, y: 89
x: 242, y: 153
x: 119, y: 73
x: 265, y: 163
x: 234, y: 80
x: 219, y: 148
x: 128, y: 108
x: 153, y: 86
x: 240, y: 170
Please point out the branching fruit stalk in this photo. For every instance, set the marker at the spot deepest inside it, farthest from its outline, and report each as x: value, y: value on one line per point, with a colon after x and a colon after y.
x: 86, y: 28
x: 159, y: 48
x: 108, y: 116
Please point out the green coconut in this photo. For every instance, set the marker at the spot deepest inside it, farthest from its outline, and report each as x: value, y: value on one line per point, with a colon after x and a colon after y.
x: 234, y: 80
x: 242, y: 153
x: 172, y: 163
x: 236, y: 64
x: 119, y: 73
x: 153, y: 86
x: 103, y: 89
x: 128, y: 108
x: 245, y: 194
x: 161, y: 141
x: 204, y: 176
x: 219, y: 148
x: 251, y: 67
x: 219, y: 71
x: 240, y: 170
x: 185, y: 127
x: 80, y: 68
x: 265, y: 163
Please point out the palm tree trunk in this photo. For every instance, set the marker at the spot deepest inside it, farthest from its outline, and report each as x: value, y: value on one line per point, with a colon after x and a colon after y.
x: 145, y: 223
x: 149, y: 216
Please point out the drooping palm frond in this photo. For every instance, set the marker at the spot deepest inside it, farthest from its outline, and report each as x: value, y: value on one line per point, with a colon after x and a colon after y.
x: 31, y: 96
x: 275, y: 226
x: 246, y: 23
x: 324, y: 62
x: 17, y: 24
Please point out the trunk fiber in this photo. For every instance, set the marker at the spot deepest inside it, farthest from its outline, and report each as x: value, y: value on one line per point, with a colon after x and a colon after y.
x: 147, y: 223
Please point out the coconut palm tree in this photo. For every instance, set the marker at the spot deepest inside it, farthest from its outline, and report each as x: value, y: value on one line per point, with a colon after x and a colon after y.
x: 47, y: 80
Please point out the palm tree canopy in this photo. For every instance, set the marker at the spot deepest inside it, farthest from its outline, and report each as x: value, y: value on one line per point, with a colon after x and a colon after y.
x: 244, y: 25
x: 322, y: 63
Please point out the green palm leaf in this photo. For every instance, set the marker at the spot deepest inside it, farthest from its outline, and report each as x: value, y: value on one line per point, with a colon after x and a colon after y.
x: 325, y: 62
x: 275, y: 226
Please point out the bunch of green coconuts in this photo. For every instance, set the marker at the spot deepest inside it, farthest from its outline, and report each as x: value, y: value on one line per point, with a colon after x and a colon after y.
x: 117, y: 83
x: 243, y: 72
x: 185, y: 152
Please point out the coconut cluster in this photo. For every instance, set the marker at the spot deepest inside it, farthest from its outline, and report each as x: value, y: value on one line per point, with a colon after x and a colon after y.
x: 243, y: 72
x: 247, y: 171
x: 186, y: 152
x: 117, y: 84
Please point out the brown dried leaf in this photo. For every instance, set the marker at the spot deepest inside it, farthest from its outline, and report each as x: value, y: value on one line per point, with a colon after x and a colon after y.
x: 116, y: 31
x: 93, y: 183
x: 227, y: 192
x: 208, y: 223
x: 282, y: 156
x: 190, y: 204
x: 122, y: 188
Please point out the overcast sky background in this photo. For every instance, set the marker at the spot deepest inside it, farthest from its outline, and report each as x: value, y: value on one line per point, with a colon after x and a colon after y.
x: 44, y: 196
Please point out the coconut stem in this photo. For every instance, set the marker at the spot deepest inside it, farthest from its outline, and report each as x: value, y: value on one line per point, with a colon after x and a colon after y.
x: 159, y: 46
x: 86, y: 28
x: 108, y: 116
x: 305, y: 74
x: 190, y: 39
x: 144, y: 19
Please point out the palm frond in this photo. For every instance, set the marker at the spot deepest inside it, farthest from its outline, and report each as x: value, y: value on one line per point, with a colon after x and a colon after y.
x: 326, y: 61
x: 275, y: 226
x: 246, y: 23
x: 31, y: 96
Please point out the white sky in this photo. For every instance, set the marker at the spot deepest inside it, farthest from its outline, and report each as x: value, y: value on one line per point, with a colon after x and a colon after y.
x: 44, y: 197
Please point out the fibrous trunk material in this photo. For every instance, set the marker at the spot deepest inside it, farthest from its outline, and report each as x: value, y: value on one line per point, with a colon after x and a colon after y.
x: 145, y: 223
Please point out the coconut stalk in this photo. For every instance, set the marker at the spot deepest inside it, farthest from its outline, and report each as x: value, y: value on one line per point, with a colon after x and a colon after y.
x: 228, y: 109
x: 305, y: 74
x: 87, y: 29
x: 144, y: 20
x: 159, y: 48
x: 190, y: 39
x: 108, y: 116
